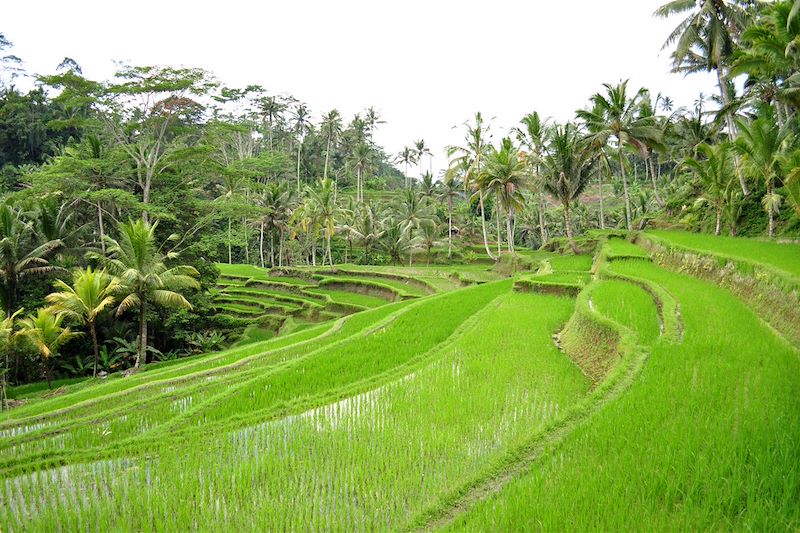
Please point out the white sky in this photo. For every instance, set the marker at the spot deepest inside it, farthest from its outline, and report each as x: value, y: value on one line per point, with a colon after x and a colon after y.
x: 425, y: 65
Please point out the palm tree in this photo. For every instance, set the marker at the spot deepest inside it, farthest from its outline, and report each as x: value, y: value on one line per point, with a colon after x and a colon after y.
x: 420, y: 151
x: 331, y: 127
x: 361, y: 160
x: 271, y: 107
x: 614, y: 115
x: 326, y: 212
x: 705, y: 40
x: 144, y: 277
x: 45, y: 333
x: 504, y: 173
x: 429, y: 237
x: 302, y: 125
x: 763, y: 145
x: 568, y: 167
x: 427, y: 187
x: 372, y: 119
x: 714, y: 174
x: 367, y: 229
x: 21, y: 256
x: 533, y: 136
x: 275, y: 206
x: 448, y: 193
x: 91, y: 293
x: 407, y: 157
x: 396, y: 241
x: 471, y: 155
x: 7, y: 326
x: 412, y: 211
x: 233, y: 183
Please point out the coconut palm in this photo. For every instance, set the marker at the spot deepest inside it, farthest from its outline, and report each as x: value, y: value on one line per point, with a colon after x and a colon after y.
x: 144, y: 278
x: 427, y: 187
x: 231, y: 189
x: 568, y: 167
x: 412, y: 211
x: 275, y: 204
x: 7, y: 327
x: 372, y: 119
x: 449, y: 192
x: 45, y: 333
x: 361, y: 159
x: 331, y: 128
x: 302, y: 126
x: 533, y: 136
x: 615, y: 116
x: 505, y: 174
x: 22, y: 257
x: 705, y: 40
x: 91, y: 293
x: 396, y: 241
x: 326, y: 213
x: 407, y: 157
x: 421, y: 151
x: 763, y: 145
x: 714, y: 173
x: 471, y: 155
x: 367, y: 229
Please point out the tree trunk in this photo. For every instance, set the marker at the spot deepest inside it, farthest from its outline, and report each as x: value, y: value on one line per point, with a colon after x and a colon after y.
x: 655, y: 185
x: 93, y: 331
x: 497, y: 220
x: 230, y: 252
x: 327, y: 154
x: 770, y: 213
x: 449, y: 228
x: 246, y: 242
x: 602, y: 212
x: 568, y: 225
x: 299, y: 146
x: 141, y: 355
x: 330, y: 254
x: 719, y: 220
x: 483, y: 226
x: 46, y: 362
x: 261, y: 244
x: 272, y: 249
x: 726, y: 99
x: 101, y: 227
x: 280, y: 248
x: 628, y: 221
x: 509, y: 232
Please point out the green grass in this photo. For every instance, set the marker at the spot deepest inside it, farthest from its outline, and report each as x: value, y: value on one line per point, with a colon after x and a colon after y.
x: 617, y: 248
x: 705, y: 439
x: 581, y: 263
x: 784, y: 257
x: 383, y: 448
x: 256, y: 273
x: 350, y: 298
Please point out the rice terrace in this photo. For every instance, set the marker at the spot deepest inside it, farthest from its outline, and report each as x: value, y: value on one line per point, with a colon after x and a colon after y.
x: 224, y: 312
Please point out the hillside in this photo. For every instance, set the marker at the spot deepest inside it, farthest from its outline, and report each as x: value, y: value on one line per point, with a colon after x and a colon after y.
x: 615, y: 390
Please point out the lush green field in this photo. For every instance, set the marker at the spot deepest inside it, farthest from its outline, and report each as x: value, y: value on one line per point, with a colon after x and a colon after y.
x: 785, y: 257
x: 469, y: 407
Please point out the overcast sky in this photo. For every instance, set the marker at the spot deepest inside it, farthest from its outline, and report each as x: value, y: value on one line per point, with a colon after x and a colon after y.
x: 425, y: 65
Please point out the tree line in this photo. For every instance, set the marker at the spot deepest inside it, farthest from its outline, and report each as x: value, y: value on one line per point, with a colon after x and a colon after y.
x: 171, y: 171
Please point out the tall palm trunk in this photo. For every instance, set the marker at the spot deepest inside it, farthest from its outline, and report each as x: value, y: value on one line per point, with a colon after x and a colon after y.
x: 497, y: 221
x: 261, y: 244
x: 483, y: 225
x: 655, y: 185
x: 628, y: 221
x: 719, y: 219
x: 568, y: 225
x: 327, y: 157
x: 299, y: 146
x: 449, y: 227
x: 770, y: 211
x: 101, y: 227
x: 93, y: 331
x: 509, y: 233
x: 602, y: 211
x: 246, y: 242
x: 542, y: 229
x: 141, y: 354
x: 230, y: 252
x: 722, y: 82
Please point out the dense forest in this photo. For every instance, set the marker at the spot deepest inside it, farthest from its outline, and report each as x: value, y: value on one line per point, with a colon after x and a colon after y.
x: 120, y: 195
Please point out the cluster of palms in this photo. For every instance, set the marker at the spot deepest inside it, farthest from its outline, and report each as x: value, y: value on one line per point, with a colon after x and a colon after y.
x: 133, y: 276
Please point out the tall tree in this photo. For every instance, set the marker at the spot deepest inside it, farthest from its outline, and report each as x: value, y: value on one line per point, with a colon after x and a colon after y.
x: 302, y: 126
x: 471, y: 154
x: 46, y: 334
x: 714, y: 173
x: 140, y: 265
x: 568, y: 167
x: 615, y: 116
x: 91, y: 293
x: 322, y: 197
x: 505, y: 174
x: 533, y: 136
x: 705, y: 40
x: 407, y: 157
x: 331, y: 128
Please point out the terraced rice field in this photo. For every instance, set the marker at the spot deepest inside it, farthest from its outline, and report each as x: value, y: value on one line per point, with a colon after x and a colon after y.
x: 639, y: 399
